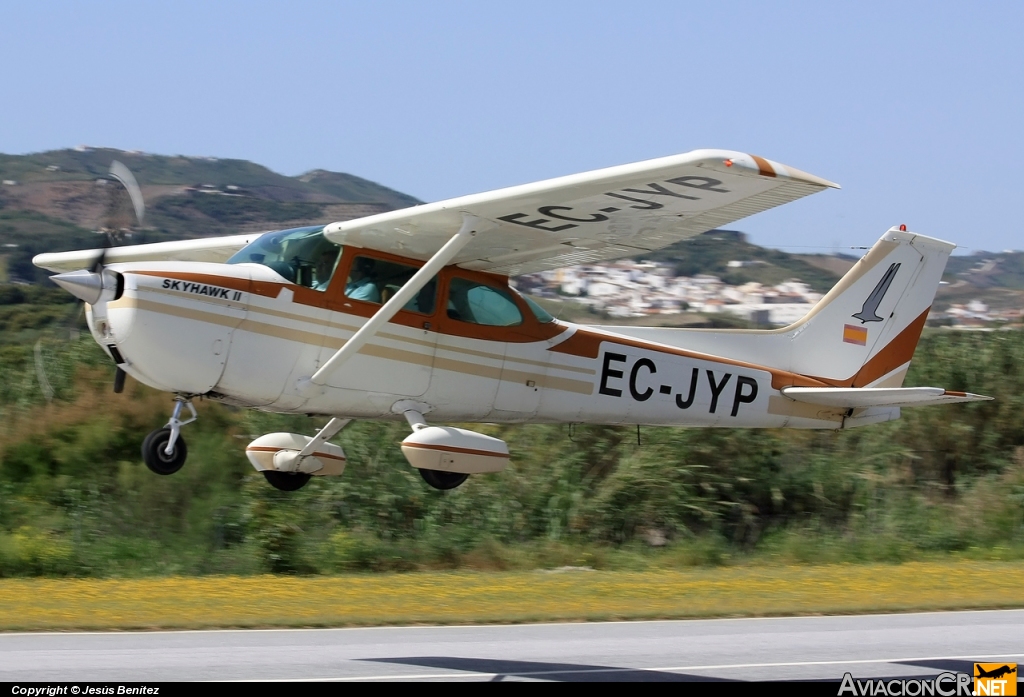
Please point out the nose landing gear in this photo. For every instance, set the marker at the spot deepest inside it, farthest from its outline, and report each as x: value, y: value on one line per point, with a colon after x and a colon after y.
x: 164, y: 450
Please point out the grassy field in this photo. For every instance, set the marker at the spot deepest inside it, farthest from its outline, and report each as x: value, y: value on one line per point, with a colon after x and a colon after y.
x: 476, y: 597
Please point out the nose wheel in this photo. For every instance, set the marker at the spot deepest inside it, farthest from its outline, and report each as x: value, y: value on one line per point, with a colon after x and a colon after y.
x: 155, y: 455
x: 164, y: 450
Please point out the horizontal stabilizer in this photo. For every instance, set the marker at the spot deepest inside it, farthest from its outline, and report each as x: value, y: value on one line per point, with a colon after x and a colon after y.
x: 860, y: 397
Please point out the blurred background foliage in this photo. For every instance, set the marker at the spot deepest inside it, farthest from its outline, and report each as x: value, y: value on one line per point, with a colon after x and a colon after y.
x: 75, y: 498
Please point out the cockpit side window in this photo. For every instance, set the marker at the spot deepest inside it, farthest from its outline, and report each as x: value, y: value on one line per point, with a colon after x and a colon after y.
x: 376, y: 280
x: 478, y: 303
x: 302, y: 256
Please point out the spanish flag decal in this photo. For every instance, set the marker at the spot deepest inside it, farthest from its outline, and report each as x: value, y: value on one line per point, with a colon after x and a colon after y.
x: 853, y: 334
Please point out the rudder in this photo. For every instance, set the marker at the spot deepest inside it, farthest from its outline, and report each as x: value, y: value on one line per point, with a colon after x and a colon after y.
x: 864, y: 331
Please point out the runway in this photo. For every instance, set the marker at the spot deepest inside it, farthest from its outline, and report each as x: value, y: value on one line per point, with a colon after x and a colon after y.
x: 797, y: 648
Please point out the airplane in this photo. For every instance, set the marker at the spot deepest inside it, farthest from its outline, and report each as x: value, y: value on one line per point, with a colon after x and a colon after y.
x: 995, y: 672
x: 410, y: 314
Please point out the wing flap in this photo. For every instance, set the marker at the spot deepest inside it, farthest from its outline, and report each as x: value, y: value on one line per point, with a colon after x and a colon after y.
x: 211, y: 249
x: 861, y: 397
x: 593, y: 216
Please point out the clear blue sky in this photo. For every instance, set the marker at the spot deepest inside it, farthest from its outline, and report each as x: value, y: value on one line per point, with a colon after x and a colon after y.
x: 915, y: 108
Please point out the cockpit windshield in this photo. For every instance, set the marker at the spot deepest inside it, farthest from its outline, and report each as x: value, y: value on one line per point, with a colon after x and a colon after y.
x: 301, y: 255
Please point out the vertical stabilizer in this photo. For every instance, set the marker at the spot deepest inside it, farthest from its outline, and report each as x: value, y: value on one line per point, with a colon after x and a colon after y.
x: 864, y: 331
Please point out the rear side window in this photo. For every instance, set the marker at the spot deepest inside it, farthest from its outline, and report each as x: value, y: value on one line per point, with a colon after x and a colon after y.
x: 376, y: 281
x: 478, y: 303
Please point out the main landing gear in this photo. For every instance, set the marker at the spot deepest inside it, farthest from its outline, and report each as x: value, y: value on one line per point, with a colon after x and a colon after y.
x: 286, y: 481
x: 164, y: 450
x: 442, y: 480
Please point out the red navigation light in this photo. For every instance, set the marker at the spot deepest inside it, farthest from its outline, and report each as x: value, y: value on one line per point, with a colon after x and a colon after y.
x: 903, y: 228
x: 728, y: 163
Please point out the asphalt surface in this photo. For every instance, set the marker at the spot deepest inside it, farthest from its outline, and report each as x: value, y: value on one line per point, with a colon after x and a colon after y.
x: 797, y: 648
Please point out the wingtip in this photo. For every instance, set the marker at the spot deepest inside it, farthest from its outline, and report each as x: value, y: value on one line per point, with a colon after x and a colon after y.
x: 771, y: 168
x: 807, y: 177
x: 968, y: 396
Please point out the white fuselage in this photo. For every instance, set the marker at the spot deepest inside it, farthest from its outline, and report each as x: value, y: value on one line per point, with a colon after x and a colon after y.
x: 241, y: 334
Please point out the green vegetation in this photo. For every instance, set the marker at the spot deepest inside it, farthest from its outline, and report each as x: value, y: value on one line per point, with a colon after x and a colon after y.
x: 199, y: 214
x: 28, y: 311
x: 34, y: 233
x: 76, y: 500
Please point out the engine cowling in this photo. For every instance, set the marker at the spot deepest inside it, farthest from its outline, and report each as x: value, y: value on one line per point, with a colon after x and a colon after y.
x: 450, y: 449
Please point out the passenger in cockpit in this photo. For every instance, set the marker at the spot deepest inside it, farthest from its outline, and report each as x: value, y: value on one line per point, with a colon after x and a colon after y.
x: 360, y: 281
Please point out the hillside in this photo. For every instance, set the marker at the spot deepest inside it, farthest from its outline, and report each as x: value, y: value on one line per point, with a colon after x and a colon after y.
x: 711, y: 253
x: 57, y: 166
x: 51, y: 201
x: 185, y: 196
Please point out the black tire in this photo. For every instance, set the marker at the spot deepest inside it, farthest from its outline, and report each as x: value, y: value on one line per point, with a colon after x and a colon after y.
x: 154, y: 456
x: 443, y: 480
x: 286, y: 481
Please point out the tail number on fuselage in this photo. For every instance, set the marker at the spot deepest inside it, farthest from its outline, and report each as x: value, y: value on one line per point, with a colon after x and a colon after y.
x: 641, y: 387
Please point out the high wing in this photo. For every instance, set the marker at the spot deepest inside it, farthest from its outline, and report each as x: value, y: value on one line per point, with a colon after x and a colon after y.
x: 212, y: 249
x: 594, y: 216
x: 598, y: 215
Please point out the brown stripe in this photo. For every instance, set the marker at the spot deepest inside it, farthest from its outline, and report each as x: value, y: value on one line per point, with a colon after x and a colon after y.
x: 397, y: 355
x: 483, y: 371
x: 262, y: 449
x: 266, y: 288
x: 587, y: 344
x: 375, y: 350
x: 556, y: 383
x: 316, y: 322
x: 187, y: 313
x: 896, y: 353
x: 764, y: 167
x: 453, y: 449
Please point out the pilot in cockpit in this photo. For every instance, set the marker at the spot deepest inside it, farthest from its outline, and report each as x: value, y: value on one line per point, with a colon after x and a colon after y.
x: 360, y: 281
x: 325, y: 268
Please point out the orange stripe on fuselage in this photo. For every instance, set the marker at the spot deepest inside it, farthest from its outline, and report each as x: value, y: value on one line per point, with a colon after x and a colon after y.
x: 587, y: 344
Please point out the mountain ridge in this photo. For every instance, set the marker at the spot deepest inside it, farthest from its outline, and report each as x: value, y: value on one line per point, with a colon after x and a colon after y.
x: 53, y: 200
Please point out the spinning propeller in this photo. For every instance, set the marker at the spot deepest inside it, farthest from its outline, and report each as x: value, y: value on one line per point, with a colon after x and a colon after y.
x: 89, y: 284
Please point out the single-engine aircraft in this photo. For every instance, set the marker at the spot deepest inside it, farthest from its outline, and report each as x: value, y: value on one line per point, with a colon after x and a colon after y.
x: 410, y: 314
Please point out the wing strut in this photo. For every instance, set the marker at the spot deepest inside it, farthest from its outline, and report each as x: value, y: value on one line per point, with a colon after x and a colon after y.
x: 397, y: 301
